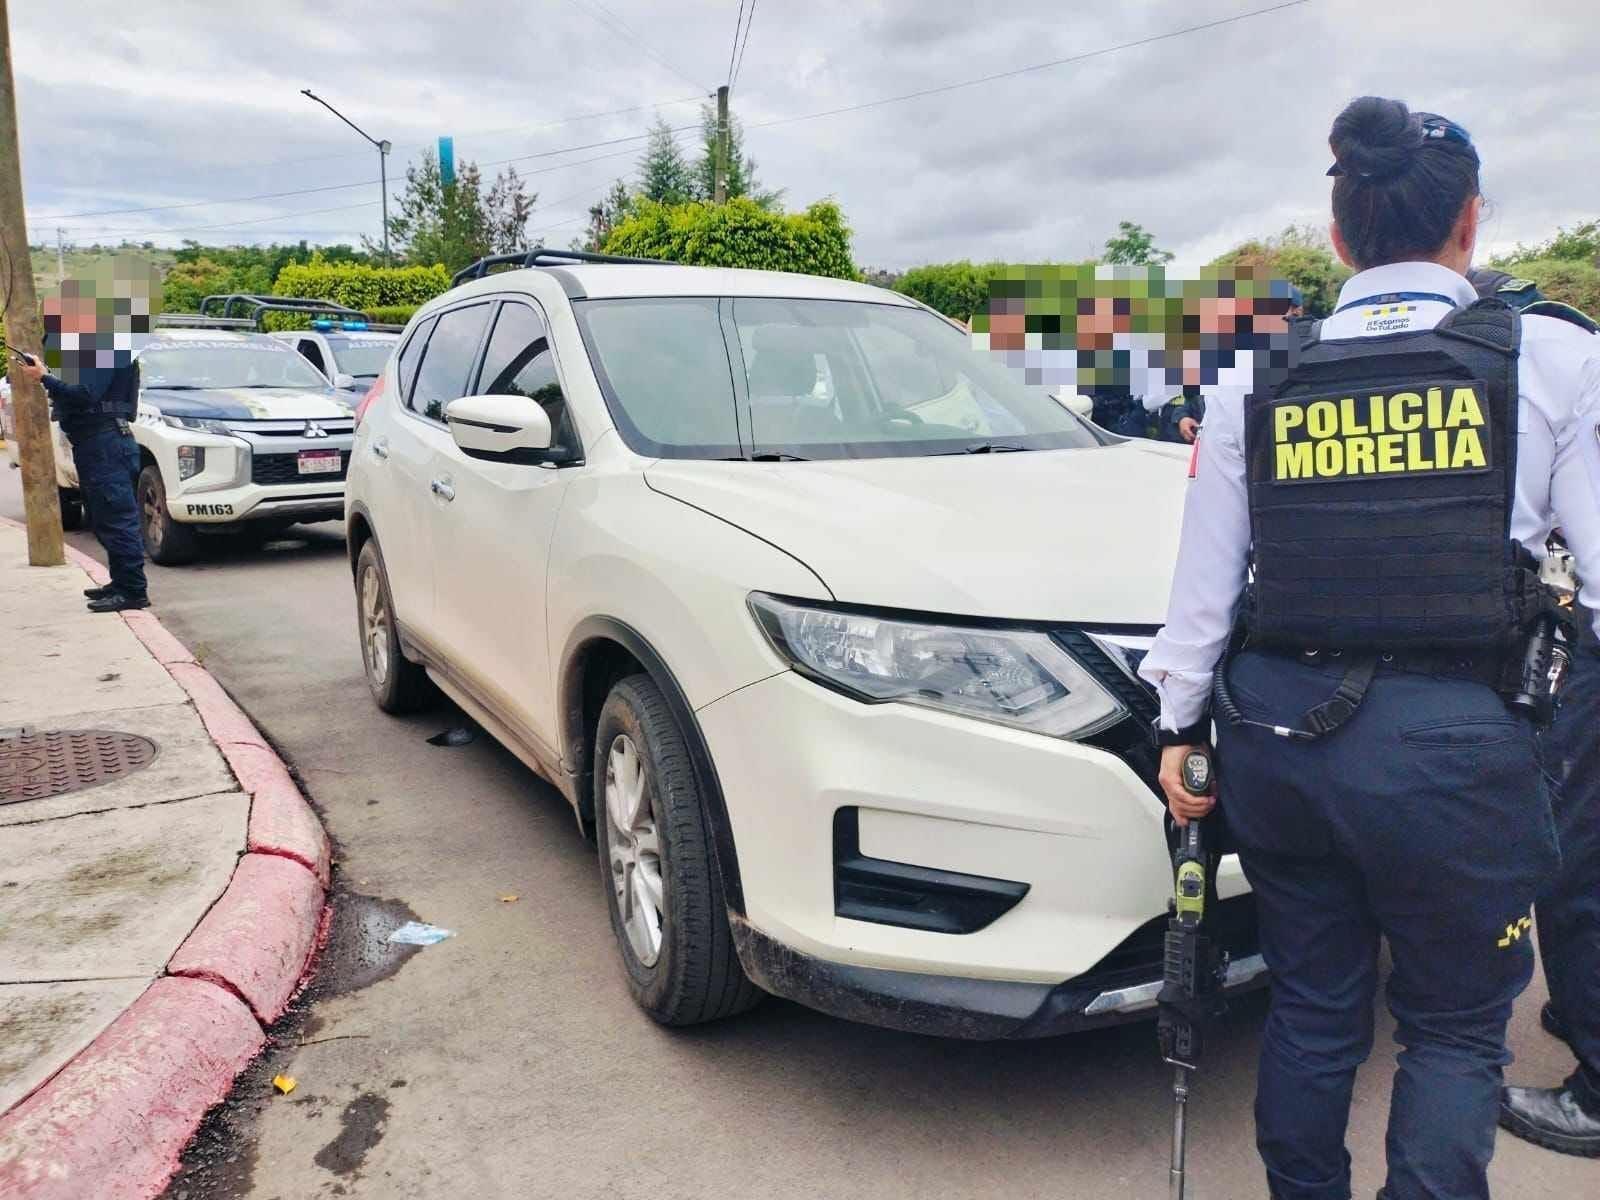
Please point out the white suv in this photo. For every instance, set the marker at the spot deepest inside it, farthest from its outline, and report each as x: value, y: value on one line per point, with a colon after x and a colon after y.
x: 824, y: 623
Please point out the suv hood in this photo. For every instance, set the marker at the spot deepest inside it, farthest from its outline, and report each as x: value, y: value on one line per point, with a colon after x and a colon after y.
x: 1085, y: 535
x: 251, y: 404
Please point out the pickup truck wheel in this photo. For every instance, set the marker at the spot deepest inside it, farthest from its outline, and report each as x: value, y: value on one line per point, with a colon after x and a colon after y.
x: 398, y: 685
x: 166, y: 541
x: 662, y: 889
x: 71, y: 510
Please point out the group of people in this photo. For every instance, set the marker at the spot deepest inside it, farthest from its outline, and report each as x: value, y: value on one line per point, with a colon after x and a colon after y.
x: 1362, y: 553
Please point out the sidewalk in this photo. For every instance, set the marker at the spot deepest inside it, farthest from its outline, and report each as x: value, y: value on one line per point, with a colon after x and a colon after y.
x: 154, y: 918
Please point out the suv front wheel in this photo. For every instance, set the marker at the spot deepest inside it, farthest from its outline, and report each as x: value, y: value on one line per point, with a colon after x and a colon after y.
x: 662, y: 889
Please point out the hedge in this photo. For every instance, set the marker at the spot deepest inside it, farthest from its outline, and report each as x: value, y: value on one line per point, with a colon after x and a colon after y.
x: 378, y: 314
x: 738, y: 234
x: 957, y: 289
x: 360, y: 286
x: 1569, y: 280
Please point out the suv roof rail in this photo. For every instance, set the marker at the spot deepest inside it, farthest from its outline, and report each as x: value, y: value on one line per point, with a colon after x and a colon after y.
x: 541, y: 256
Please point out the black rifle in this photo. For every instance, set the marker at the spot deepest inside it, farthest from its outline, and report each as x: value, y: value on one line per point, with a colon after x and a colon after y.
x: 1191, y: 987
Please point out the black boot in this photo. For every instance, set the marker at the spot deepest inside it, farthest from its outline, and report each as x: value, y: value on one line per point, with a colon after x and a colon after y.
x: 1552, y: 1118
x: 1553, y: 1023
x: 99, y: 593
x: 115, y: 601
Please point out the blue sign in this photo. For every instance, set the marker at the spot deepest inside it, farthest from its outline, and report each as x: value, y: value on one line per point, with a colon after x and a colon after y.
x: 447, y: 161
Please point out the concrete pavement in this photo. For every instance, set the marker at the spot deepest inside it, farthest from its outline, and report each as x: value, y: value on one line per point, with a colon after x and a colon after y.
x: 510, y: 1062
x: 153, y: 918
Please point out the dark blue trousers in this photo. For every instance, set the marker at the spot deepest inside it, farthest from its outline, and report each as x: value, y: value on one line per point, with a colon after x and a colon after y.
x: 1423, y: 820
x: 108, y: 466
x: 1569, y: 908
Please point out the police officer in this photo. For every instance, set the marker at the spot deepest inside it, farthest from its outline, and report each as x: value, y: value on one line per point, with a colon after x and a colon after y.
x: 94, y: 414
x: 1386, y: 499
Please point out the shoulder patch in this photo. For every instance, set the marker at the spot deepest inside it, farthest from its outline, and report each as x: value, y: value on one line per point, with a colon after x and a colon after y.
x: 1516, y: 285
x: 1562, y: 312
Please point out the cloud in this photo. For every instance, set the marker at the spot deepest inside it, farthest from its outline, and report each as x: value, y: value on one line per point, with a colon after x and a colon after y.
x: 1204, y: 138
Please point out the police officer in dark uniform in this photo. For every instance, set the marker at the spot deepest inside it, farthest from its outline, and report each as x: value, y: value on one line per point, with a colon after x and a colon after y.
x: 1374, y: 517
x: 94, y: 414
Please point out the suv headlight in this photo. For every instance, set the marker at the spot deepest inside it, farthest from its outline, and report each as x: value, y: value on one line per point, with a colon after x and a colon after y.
x: 1015, y: 677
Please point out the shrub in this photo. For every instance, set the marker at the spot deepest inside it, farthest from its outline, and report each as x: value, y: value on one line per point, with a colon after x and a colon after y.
x: 738, y: 234
x: 188, y: 282
x: 360, y: 286
x: 1300, y: 255
x: 957, y: 289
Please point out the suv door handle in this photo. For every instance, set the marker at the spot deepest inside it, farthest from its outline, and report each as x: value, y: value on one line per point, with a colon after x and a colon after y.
x: 380, y: 447
x: 442, y: 489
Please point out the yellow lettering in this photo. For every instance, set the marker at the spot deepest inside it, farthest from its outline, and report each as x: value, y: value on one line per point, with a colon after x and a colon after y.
x: 1464, y: 409
x: 1330, y: 456
x: 1389, y: 453
x: 1287, y: 417
x: 1435, y: 407
x: 1322, y: 419
x: 1375, y: 404
x: 1347, y: 414
x: 1414, y: 459
x: 1405, y: 411
x: 1441, y: 448
x: 1294, y: 460
x: 1469, y: 448
x: 1359, y: 456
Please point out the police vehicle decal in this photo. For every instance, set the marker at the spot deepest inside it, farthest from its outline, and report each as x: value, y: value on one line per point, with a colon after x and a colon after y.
x: 1436, y: 428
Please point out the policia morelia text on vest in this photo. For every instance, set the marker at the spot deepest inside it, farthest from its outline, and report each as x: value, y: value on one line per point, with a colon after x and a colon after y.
x: 1381, y: 473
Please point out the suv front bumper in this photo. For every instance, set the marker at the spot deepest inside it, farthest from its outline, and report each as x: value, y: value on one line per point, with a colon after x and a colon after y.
x: 863, y: 832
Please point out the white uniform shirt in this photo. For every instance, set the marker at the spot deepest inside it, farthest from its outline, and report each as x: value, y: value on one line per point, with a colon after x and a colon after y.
x: 1558, y: 473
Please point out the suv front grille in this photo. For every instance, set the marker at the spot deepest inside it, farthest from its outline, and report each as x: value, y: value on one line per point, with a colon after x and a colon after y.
x: 277, y: 469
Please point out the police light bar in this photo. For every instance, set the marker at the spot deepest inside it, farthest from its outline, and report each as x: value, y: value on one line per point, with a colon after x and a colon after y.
x: 353, y: 325
x: 323, y: 324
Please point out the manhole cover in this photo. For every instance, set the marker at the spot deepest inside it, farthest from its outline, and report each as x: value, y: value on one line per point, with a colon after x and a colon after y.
x: 34, y: 765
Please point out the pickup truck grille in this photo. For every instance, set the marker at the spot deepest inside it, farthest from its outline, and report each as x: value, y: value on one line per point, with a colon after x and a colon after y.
x: 271, y: 469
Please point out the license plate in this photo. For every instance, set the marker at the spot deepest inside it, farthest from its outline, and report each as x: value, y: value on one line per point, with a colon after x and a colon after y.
x: 320, y: 462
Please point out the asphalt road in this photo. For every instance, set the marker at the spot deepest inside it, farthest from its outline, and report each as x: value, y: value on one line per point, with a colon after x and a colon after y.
x: 510, y: 1062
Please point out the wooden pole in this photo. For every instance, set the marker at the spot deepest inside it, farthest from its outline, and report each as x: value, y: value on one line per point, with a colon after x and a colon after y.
x: 39, y: 495
x: 720, y: 192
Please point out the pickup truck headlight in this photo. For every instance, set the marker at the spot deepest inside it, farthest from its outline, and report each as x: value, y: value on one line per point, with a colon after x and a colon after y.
x: 203, y: 424
x: 1015, y: 677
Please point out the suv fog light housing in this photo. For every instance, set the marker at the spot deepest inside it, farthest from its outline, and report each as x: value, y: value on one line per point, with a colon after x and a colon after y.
x: 191, y: 461
x: 1015, y: 677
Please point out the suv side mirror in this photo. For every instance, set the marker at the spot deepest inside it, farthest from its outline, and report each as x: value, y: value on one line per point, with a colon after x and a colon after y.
x: 343, y: 382
x: 499, y: 428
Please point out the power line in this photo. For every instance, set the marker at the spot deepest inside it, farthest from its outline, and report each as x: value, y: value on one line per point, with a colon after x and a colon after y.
x: 734, y: 49
x: 334, y: 187
x: 616, y: 25
x: 738, y: 67
x: 1058, y: 62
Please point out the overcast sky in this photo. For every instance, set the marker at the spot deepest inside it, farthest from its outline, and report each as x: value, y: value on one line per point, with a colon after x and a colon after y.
x: 1205, y: 138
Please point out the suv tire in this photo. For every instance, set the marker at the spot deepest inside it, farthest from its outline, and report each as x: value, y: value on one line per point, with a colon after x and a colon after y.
x: 166, y: 541
x: 398, y: 685
x: 72, y: 513
x: 662, y: 889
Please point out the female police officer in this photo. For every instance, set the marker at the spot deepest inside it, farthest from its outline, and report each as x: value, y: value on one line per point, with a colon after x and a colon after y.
x: 1371, y: 522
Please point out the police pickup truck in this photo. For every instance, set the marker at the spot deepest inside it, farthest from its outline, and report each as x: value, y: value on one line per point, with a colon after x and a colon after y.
x: 237, y: 431
x: 351, y: 352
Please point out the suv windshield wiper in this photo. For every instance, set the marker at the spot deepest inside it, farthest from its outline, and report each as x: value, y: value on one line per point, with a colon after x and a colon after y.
x: 986, y: 448
x: 768, y: 456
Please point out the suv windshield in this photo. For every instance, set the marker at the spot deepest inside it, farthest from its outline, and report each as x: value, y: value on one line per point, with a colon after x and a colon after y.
x: 702, y: 377
x: 362, y: 357
x: 262, y: 362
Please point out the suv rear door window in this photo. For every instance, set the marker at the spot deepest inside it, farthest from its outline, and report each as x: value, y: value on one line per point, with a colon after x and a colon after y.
x: 448, y: 360
x: 518, y: 362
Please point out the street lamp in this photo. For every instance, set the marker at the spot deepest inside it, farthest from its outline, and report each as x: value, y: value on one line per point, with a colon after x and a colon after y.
x: 383, y: 164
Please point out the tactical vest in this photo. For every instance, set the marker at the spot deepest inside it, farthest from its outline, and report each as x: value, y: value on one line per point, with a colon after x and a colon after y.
x: 121, y: 399
x: 1381, y: 472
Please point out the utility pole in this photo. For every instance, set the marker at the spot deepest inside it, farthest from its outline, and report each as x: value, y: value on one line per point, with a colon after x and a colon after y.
x: 383, y: 164
x: 39, y: 496
x: 61, y: 255
x: 720, y: 192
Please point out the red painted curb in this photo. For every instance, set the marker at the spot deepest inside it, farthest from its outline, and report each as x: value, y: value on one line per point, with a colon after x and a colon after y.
x: 281, y: 822
x: 166, y: 648
x: 257, y: 939
x: 113, y: 1121
x: 224, y: 719
x: 92, y: 567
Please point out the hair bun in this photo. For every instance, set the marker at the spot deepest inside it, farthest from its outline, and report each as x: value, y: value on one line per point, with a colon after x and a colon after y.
x: 1375, y: 138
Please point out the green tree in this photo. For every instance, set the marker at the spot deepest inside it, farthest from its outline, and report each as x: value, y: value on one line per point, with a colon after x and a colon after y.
x: 739, y: 233
x: 1579, y: 244
x: 604, y: 217
x: 741, y: 179
x: 664, y: 174
x: 1300, y: 254
x: 1135, y: 245
x: 458, y: 223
